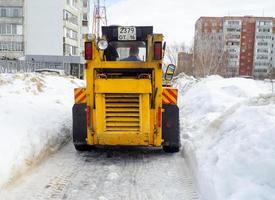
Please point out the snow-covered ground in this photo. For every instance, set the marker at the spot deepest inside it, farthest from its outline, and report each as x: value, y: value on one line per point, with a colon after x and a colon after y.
x: 35, y: 119
x: 228, y: 131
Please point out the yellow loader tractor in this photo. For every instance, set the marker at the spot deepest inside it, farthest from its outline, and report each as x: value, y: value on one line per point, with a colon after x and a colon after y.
x: 128, y: 100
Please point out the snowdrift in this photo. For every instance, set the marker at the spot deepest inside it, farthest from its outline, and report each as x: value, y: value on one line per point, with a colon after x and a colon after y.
x: 228, y: 132
x: 35, y: 119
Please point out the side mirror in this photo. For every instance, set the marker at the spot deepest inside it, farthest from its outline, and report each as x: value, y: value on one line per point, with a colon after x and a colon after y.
x: 170, y: 70
x: 164, y: 46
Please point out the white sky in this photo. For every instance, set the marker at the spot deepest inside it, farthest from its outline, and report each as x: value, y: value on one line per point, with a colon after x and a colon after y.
x: 176, y: 18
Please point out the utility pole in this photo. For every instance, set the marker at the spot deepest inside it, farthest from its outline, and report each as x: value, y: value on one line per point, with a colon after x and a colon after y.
x: 99, y: 17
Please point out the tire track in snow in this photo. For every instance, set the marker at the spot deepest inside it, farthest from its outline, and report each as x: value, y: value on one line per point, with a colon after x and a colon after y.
x: 136, y: 174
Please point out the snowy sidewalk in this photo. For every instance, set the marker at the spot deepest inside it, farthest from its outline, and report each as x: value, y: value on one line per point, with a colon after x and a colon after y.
x: 228, y: 126
x: 35, y: 119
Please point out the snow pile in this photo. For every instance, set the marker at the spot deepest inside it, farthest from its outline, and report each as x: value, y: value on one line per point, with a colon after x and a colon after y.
x: 35, y: 119
x: 228, y: 130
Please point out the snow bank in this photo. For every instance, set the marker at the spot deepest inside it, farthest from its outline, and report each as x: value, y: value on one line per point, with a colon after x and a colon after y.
x: 228, y: 130
x: 35, y: 119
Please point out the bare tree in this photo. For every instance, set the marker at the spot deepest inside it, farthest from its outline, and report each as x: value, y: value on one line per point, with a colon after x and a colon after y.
x: 171, y: 53
x: 210, y: 56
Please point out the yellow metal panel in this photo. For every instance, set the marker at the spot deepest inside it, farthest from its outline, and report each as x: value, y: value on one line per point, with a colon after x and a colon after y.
x: 122, y: 86
x: 149, y: 132
x: 100, y: 114
x: 123, y: 124
x: 152, y: 126
x: 128, y: 139
x: 121, y: 119
x: 145, y: 116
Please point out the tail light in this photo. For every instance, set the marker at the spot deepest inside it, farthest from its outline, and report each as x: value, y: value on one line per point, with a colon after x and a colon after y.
x: 159, y: 117
x: 157, y: 50
x: 88, y: 50
x: 88, y: 116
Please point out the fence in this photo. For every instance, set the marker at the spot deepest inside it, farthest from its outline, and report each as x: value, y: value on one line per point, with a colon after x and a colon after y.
x: 15, y: 66
x: 18, y: 66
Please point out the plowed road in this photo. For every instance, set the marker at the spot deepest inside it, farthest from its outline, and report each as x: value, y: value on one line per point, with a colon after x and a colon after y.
x: 114, y: 174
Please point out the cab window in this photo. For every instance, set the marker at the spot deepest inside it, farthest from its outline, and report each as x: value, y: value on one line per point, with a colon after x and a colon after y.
x: 126, y: 51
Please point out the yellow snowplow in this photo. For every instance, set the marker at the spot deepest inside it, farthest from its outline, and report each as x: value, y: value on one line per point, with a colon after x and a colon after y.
x: 124, y: 102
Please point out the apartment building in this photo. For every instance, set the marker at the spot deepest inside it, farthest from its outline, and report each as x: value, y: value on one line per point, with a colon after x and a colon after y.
x: 248, y: 42
x: 263, y: 51
x: 11, y: 29
x: 232, y: 36
x: 86, y: 22
x: 44, y: 30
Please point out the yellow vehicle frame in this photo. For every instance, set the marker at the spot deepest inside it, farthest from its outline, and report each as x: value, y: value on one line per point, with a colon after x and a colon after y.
x: 150, y: 133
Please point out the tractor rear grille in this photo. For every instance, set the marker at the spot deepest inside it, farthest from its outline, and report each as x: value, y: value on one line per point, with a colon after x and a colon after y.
x: 122, y: 112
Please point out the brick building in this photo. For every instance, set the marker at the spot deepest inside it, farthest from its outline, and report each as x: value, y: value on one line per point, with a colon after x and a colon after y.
x: 185, y: 63
x: 248, y: 43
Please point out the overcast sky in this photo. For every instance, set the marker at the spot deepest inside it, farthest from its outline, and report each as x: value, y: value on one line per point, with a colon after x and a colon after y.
x: 176, y: 18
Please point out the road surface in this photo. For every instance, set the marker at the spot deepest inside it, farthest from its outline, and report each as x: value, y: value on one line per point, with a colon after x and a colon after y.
x: 106, y: 174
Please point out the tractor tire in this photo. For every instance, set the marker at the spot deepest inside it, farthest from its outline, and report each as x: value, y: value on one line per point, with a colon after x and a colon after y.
x: 80, y: 127
x: 81, y: 147
x: 170, y: 129
x: 169, y: 149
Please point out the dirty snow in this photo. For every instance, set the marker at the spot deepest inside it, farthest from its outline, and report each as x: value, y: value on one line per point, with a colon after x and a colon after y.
x: 35, y: 119
x: 228, y: 131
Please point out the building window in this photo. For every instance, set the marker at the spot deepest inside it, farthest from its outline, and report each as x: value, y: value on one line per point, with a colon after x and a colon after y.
x: 260, y: 70
x: 85, y: 3
x: 85, y: 16
x: 84, y: 23
x: 11, y: 12
x: 262, y: 50
x: 15, y: 12
x: 70, y: 17
x: 69, y: 33
x: 233, y: 22
x: 11, y: 46
x: 262, y: 37
x: 10, y: 29
x: 3, y: 12
x: 75, y: 3
x: 262, y: 57
x: 74, y: 50
x: 70, y: 50
x: 233, y: 56
x: 263, y: 30
x: 73, y: 35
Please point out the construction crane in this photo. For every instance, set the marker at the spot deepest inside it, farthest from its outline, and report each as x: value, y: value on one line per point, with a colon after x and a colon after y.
x: 99, y: 17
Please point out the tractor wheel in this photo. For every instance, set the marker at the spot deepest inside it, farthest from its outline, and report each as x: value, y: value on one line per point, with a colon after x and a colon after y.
x: 169, y: 149
x: 170, y: 129
x: 82, y: 147
x: 80, y: 127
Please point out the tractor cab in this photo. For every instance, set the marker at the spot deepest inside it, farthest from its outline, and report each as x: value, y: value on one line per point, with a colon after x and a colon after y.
x: 126, y: 43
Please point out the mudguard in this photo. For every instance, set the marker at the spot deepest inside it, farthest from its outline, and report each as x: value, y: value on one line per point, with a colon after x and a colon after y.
x: 170, y: 126
x: 79, y: 124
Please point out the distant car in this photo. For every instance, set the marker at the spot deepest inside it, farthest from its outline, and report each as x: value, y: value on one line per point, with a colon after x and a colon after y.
x: 51, y: 71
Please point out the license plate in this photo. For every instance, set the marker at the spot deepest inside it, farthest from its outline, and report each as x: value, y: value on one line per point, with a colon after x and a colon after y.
x: 127, y: 33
